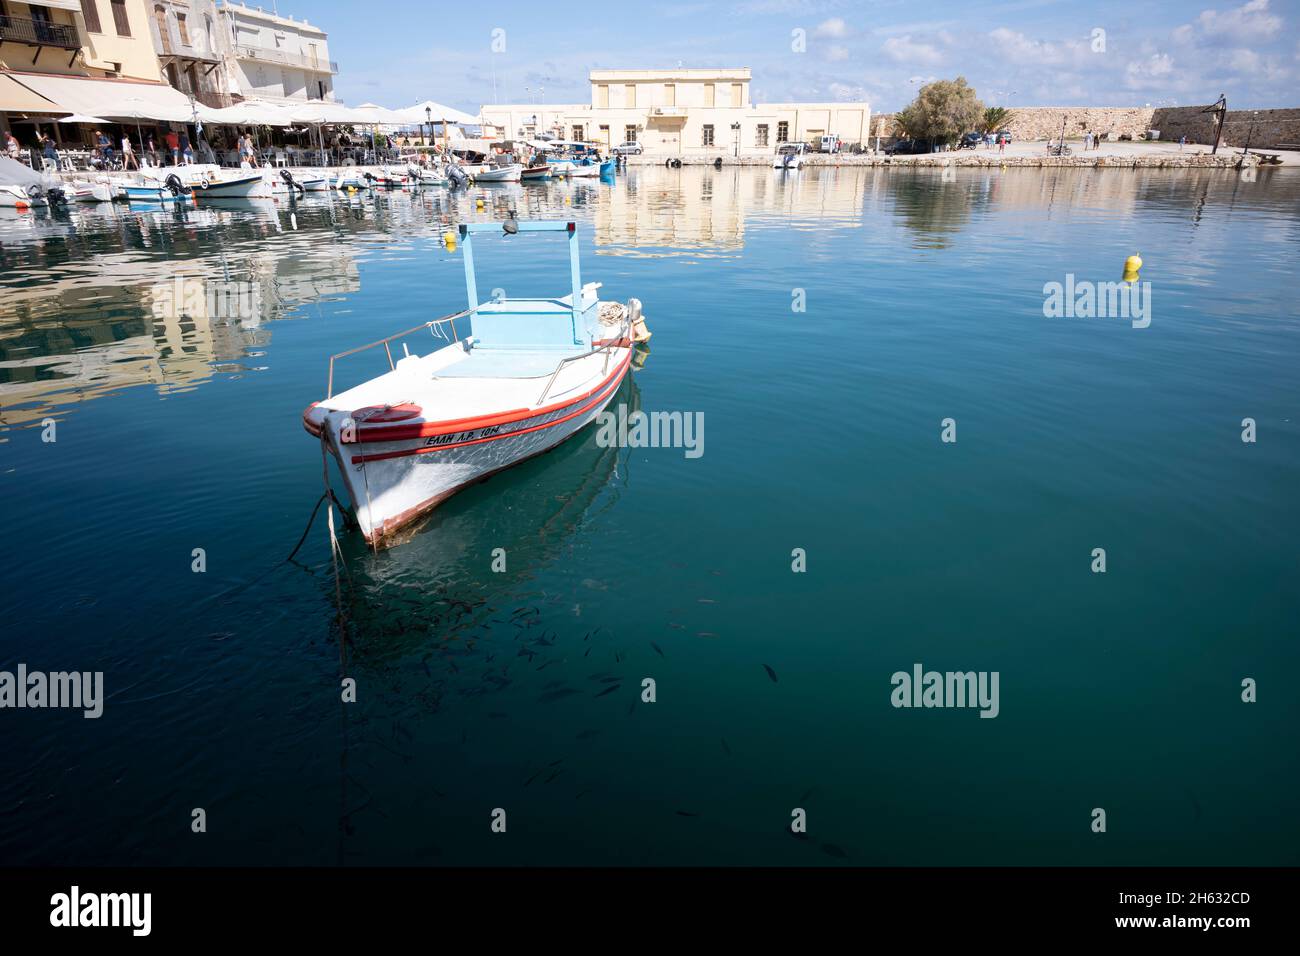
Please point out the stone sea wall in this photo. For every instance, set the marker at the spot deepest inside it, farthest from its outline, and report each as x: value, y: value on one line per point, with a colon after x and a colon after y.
x: 1265, y: 128
x: 1170, y: 160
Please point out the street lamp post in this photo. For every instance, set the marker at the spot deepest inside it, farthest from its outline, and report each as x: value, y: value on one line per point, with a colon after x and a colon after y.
x: 735, y: 137
x: 428, y: 115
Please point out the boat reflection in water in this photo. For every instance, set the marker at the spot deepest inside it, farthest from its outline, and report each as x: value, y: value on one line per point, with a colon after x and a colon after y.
x: 480, y: 548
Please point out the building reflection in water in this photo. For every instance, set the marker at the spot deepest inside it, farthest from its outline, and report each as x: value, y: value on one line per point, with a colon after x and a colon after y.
x: 79, y: 314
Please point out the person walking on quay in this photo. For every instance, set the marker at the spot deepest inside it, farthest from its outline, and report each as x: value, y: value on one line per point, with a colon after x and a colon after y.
x: 128, y: 154
x: 173, y: 146
x: 12, y: 146
x: 1087, y: 141
x: 187, y: 151
x: 1182, y: 141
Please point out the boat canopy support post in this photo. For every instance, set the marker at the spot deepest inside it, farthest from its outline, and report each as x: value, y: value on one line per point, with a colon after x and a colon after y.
x: 467, y: 230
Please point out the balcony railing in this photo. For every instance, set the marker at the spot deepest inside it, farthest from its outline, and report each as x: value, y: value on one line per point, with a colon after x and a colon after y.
x: 285, y: 58
x: 39, y: 33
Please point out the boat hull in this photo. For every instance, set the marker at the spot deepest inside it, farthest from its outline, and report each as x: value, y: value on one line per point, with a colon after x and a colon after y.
x: 246, y: 187
x: 15, y: 197
x: 500, y: 174
x: 153, y: 194
x: 393, y: 483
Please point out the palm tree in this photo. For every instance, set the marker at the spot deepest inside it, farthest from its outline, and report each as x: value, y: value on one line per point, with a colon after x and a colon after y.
x: 996, y: 118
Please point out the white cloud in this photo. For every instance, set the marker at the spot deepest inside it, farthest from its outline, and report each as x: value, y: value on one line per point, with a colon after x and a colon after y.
x: 843, y: 92
x: 1150, y: 73
x: 905, y: 50
x: 834, y: 27
x: 837, y: 53
x: 1253, y: 21
x: 1021, y: 50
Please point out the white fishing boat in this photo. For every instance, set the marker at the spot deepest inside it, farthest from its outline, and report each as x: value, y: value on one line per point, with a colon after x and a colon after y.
x: 81, y: 191
x: 22, y: 188
x: 530, y: 374
x: 507, y: 173
x: 251, y: 186
x: 789, y: 156
x: 21, y: 197
x: 349, y: 180
x: 147, y: 190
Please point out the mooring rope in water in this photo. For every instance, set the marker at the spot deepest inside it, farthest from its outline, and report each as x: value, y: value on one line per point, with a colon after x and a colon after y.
x: 336, y: 553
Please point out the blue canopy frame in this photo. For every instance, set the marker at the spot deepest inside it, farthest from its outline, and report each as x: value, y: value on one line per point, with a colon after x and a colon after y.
x: 467, y: 230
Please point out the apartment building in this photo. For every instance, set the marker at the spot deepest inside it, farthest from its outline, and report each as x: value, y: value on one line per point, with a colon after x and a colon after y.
x: 275, y: 58
x: 193, y: 48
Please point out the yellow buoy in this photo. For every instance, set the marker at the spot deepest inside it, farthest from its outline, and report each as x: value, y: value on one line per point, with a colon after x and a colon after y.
x: 1131, y: 266
x: 449, y: 239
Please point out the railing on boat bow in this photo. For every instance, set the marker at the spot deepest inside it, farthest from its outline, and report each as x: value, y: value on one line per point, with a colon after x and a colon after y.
x: 329, y: 391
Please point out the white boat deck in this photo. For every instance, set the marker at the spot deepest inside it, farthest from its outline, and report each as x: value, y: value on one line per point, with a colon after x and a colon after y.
x: 455, y: 382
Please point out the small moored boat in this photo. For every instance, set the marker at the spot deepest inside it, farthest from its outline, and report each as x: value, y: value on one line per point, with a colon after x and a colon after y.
x: 531, y: 373
x: 535, y: 173
x: 240, y: 187
x: 507, y: 173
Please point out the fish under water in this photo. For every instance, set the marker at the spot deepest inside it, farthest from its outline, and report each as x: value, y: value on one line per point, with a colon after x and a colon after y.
x: 609, y: 690
x: 770, y: 673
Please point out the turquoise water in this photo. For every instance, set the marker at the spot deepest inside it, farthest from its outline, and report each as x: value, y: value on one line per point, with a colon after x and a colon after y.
x: 480, y: 690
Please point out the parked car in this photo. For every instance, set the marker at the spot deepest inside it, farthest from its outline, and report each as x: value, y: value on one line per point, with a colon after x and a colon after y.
x: 970, y: 140
x: 908, y: 147
x: 627, y: 149
x: 828, y: 144
x: 1003, y: 136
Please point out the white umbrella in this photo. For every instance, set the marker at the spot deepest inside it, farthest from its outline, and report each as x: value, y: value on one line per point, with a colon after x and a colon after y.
x: 82, y: 118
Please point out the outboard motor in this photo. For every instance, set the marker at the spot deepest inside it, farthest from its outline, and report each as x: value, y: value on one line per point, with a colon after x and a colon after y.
x: 173, y: 183
x: 717, y: 163
x: 291, y: 182
x: 56, y: 197
x: 456, y: 176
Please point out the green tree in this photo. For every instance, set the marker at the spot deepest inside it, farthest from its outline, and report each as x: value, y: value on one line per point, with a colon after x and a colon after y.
x: 997, y: 118
x: 942, y: 111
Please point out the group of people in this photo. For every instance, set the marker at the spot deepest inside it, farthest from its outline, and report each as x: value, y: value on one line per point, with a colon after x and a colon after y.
x: 104, y: 155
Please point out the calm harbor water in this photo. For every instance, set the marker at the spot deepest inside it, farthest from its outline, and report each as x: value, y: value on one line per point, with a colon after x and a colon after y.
x: 478, y: 690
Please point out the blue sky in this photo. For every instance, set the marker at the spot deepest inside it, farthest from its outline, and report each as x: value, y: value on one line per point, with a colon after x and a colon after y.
x: 1016, y: 52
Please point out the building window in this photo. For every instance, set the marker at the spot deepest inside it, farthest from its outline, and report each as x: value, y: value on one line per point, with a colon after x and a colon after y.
x: 577, y: 134
x: 629, y: 96
x: 709, y: 95
x: 90, y: 11
x: 760, y: 135
x: 180, y: 27
x: 783, y: 132
x: 708, y: 135
x: 670, y: 94
x: 602, y: 96
x: 120, y: 19
x: 737, y: 94
x: 629, y: 134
